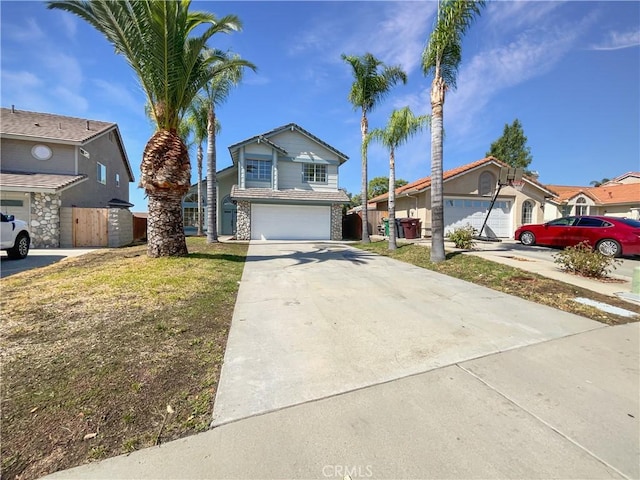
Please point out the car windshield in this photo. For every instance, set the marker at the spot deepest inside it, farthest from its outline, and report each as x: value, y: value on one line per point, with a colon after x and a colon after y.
x: 631, y: 222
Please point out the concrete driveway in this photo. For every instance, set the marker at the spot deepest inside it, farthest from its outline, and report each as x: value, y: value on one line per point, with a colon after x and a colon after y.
x: 38, y: 257
x: 318, y: 319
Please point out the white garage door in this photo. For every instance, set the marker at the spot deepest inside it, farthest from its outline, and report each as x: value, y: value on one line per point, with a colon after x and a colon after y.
x: 290, y: 222
x: 15, y: 203
x: 460, y: 212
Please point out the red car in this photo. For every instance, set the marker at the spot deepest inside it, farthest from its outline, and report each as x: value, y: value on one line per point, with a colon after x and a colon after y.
x: 611, y: 236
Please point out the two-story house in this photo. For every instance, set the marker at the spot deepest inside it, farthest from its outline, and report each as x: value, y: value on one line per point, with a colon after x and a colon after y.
x: 53, y: 165
x: 282, y: 185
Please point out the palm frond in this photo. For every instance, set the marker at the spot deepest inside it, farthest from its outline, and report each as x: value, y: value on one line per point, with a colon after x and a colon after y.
x: 443, y: 53
x: 159, y: 41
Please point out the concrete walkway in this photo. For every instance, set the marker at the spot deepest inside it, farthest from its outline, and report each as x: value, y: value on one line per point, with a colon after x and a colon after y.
x: 341, y: 363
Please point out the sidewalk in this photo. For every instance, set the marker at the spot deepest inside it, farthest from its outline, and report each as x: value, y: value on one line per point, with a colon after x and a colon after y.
x: 342, y: 363
x: 545, y: 268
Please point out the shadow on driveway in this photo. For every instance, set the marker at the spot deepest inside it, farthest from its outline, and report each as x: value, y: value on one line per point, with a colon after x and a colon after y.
x: 321, y: 252
x: 10, y: 267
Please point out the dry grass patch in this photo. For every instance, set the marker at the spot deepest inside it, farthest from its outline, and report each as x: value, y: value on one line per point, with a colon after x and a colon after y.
x: 513, y: 281
x: 95, y: 349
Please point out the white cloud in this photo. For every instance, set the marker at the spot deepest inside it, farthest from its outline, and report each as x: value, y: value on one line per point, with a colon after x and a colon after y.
x: 22, y: 79
x: 69, y: 100
x: 65, y: 68
x: 619, y: 40
x: 69, y: 24
x: 116, y: 94
x: 28, y: 32
x: 395, y: 32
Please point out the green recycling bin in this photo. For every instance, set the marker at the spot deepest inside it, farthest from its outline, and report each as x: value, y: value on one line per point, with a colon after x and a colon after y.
x: 386, y: 226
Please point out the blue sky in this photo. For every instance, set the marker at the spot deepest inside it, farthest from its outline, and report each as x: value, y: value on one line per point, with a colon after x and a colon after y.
x: 569, y: 71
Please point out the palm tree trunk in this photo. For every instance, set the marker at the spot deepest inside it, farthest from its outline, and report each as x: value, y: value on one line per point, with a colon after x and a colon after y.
x: 165, y: 227
x: 364, y: 127
x: 165, y: 177
x: 438, y: 88
x: 392, y: 201
x: 212, y: 181
x: 200, y: 219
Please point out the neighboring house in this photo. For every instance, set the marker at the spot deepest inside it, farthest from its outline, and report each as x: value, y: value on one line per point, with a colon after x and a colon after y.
x: 617, y: 198
x: 67, y: 177
x: 468, y: 191
x: 282, y: 185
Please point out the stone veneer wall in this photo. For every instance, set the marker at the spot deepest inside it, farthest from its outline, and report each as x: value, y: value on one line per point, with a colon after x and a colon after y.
x: 45, y: 220
x: 243, y: 221
x: 336, y: 221
x: 120, y: 227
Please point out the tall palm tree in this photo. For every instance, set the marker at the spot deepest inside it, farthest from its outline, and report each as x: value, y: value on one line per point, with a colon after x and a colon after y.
x: 164, y: 43
x: 372, y: 82
x: 196, y: 123
x: 441, y: 58
x: 227, y: 73
x: 403, y: 124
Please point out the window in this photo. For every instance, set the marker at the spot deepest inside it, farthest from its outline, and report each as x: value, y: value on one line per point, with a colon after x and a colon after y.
x: 258, y: 169
x: 562, y: 222
x: 41, y: 152
x: 314, y: 173
x: 486, y: 183
x: 527, y: 212
x: 581, y: 208
x: 590, y: 222
x: 11, y: 203
x: 117, y: 179
x: 102, y: 174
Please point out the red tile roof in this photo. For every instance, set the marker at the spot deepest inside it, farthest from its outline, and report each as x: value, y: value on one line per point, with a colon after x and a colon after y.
x: 605, y: 195
x: 423, y: 183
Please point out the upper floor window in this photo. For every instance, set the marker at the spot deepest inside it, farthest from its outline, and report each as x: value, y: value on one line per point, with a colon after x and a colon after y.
x: 258, y: 169
x: 486, y: 183
x: 527, y: 212
x: 101, y: 173
x: 117, y: 179
x: 41, y: 152
x: 314, y: 173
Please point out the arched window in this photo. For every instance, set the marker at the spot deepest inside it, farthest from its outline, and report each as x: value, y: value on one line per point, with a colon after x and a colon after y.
x: 527, y: 212
x: 581, y: 207
x: 486, y: 184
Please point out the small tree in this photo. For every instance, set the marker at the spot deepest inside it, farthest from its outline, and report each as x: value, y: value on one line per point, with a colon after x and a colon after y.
x: 598, y: 183
x: 372, y: 80
x: 403, y: 124
x: 512, y: 147
x: 380, y: 185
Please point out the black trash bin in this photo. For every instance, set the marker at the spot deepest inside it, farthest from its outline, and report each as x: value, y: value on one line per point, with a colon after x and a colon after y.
x: 410, y: 227
x: 399, y: 229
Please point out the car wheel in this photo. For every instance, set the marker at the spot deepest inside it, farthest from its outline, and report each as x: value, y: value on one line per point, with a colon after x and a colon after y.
x: 21, y: 248
x: 609, y: 248
x: 527, y: 238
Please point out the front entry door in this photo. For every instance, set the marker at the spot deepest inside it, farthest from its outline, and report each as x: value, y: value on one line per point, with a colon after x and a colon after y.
x: 229, y: 216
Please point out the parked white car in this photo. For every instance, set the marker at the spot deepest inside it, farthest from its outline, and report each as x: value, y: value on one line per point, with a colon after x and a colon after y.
x: 15, y: 237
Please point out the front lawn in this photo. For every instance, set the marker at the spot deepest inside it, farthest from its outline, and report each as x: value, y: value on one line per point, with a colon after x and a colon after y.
x: 509, y: 280
x: 110, y: 352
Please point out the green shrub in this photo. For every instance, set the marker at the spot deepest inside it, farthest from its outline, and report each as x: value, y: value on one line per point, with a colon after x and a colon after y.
x: 462, y: 237
x: 583, y: 260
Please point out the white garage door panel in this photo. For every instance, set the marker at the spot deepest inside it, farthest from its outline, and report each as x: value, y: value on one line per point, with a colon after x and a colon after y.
x: 290, y: 222
x: 460, y: 212
x: 15, y: 203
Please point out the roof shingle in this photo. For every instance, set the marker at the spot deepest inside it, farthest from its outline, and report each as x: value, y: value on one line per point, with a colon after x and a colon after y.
x: 288, y: 195
x: 49, y: 126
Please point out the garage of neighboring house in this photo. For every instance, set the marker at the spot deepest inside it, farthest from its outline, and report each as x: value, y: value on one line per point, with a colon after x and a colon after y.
x: 17, y: 204
x: 290, y: 222
x: 458, y: 212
